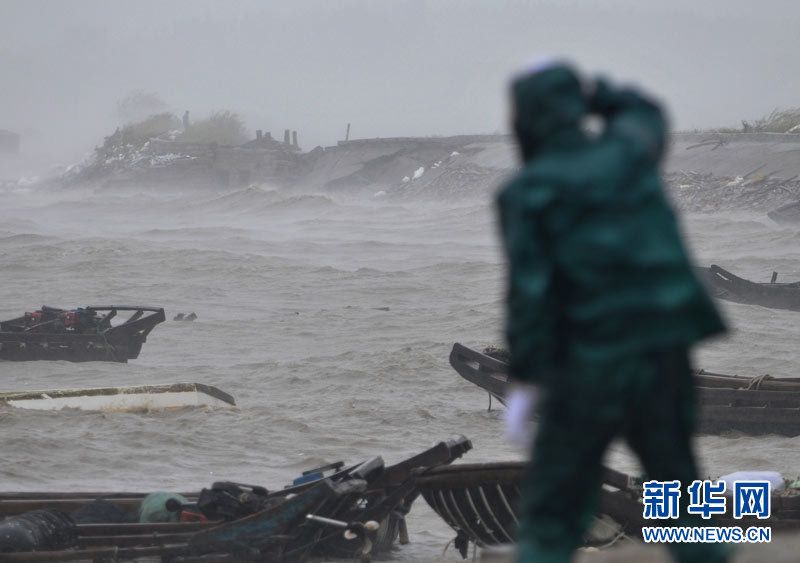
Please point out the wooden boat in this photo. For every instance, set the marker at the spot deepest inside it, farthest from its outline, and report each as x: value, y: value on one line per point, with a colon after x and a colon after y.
x: 82, y: 335
x: 261, y: 536
x: 340, y: 498
x: 121, y: 399
x: 756, y: 406
x: 388, y: 498
x: 725, y: 285
x: 481, y: 503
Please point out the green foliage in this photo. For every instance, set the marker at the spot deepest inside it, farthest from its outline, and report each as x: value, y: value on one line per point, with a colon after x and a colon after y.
x: 223, y: 127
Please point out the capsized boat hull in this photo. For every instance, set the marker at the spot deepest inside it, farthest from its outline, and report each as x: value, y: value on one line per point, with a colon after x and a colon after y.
x: 122, y: 399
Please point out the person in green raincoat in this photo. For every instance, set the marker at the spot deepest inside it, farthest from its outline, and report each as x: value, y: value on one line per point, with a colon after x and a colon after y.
x: 602, y: 306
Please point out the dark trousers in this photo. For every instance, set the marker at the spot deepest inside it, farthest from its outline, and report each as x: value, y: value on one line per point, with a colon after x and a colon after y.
x: 649, y: 399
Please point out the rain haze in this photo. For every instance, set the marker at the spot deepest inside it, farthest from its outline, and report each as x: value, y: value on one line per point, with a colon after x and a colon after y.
x: 416, y: 67
x: 241, y: 240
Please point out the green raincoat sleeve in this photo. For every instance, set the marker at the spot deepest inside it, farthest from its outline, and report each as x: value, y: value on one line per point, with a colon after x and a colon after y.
x: 632, y: 120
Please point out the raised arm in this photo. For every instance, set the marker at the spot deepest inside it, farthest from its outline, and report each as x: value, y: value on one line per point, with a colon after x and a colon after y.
x: 632, y: 119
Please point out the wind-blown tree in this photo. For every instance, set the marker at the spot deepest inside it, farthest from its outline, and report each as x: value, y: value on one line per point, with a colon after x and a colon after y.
x: 779, y: 121
x: 152, y: 126
x: 222, y: 127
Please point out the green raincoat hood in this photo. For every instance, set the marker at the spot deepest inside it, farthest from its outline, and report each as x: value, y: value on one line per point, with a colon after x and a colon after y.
x: 548, y: 108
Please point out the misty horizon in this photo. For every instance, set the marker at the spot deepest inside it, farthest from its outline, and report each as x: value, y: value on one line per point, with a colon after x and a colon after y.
x: 400, y: 68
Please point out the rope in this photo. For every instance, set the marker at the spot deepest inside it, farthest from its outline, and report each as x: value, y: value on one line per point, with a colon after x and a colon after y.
x: 447, y: 545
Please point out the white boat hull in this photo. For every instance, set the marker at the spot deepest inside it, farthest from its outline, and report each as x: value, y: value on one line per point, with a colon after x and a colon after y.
x: 122, y: 399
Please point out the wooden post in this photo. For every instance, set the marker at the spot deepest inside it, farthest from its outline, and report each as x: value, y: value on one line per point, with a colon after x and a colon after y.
x: 774, y: 277
x: 347, y: 137
x: 403, y: 531
x: 286, y: 137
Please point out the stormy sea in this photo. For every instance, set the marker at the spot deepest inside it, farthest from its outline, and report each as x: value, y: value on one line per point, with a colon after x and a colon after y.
x: 329, y: 318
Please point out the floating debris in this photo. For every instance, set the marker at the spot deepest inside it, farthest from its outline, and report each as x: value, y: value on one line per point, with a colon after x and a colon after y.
x: 184, y: 317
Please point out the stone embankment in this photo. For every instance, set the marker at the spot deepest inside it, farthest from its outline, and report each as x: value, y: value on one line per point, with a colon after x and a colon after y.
x: 705, y: 172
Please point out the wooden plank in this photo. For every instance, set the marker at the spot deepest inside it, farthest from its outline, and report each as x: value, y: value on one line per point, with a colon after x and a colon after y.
x: 19, y: 506
x: 135, y: 540
x: 744, y: 397
x: 143, y: 528
x: 440, y: 454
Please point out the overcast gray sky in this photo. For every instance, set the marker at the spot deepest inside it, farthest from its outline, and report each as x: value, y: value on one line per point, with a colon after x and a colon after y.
x: 391, y: 67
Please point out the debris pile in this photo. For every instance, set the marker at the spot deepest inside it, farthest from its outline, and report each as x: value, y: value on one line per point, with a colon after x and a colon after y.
x: 129, y: 150
x: 211, y: 152
x: 705, y: 193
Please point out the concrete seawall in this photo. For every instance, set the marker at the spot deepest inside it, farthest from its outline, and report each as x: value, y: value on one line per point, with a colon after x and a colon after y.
x: 474, y: 163
x: 411, y: 166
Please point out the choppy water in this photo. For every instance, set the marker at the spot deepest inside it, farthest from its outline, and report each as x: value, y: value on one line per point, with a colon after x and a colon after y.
x: 289, y: 290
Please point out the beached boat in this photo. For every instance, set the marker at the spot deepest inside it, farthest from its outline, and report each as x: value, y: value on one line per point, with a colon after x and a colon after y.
x: 751, y: 405
x: 333, y: 511
x: 725, y: 285
x: 81, y: 335
x: 121, y: 399
x: 481, y: 503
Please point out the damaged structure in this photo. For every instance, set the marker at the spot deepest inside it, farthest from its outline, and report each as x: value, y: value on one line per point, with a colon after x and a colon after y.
x: 165, y: 159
